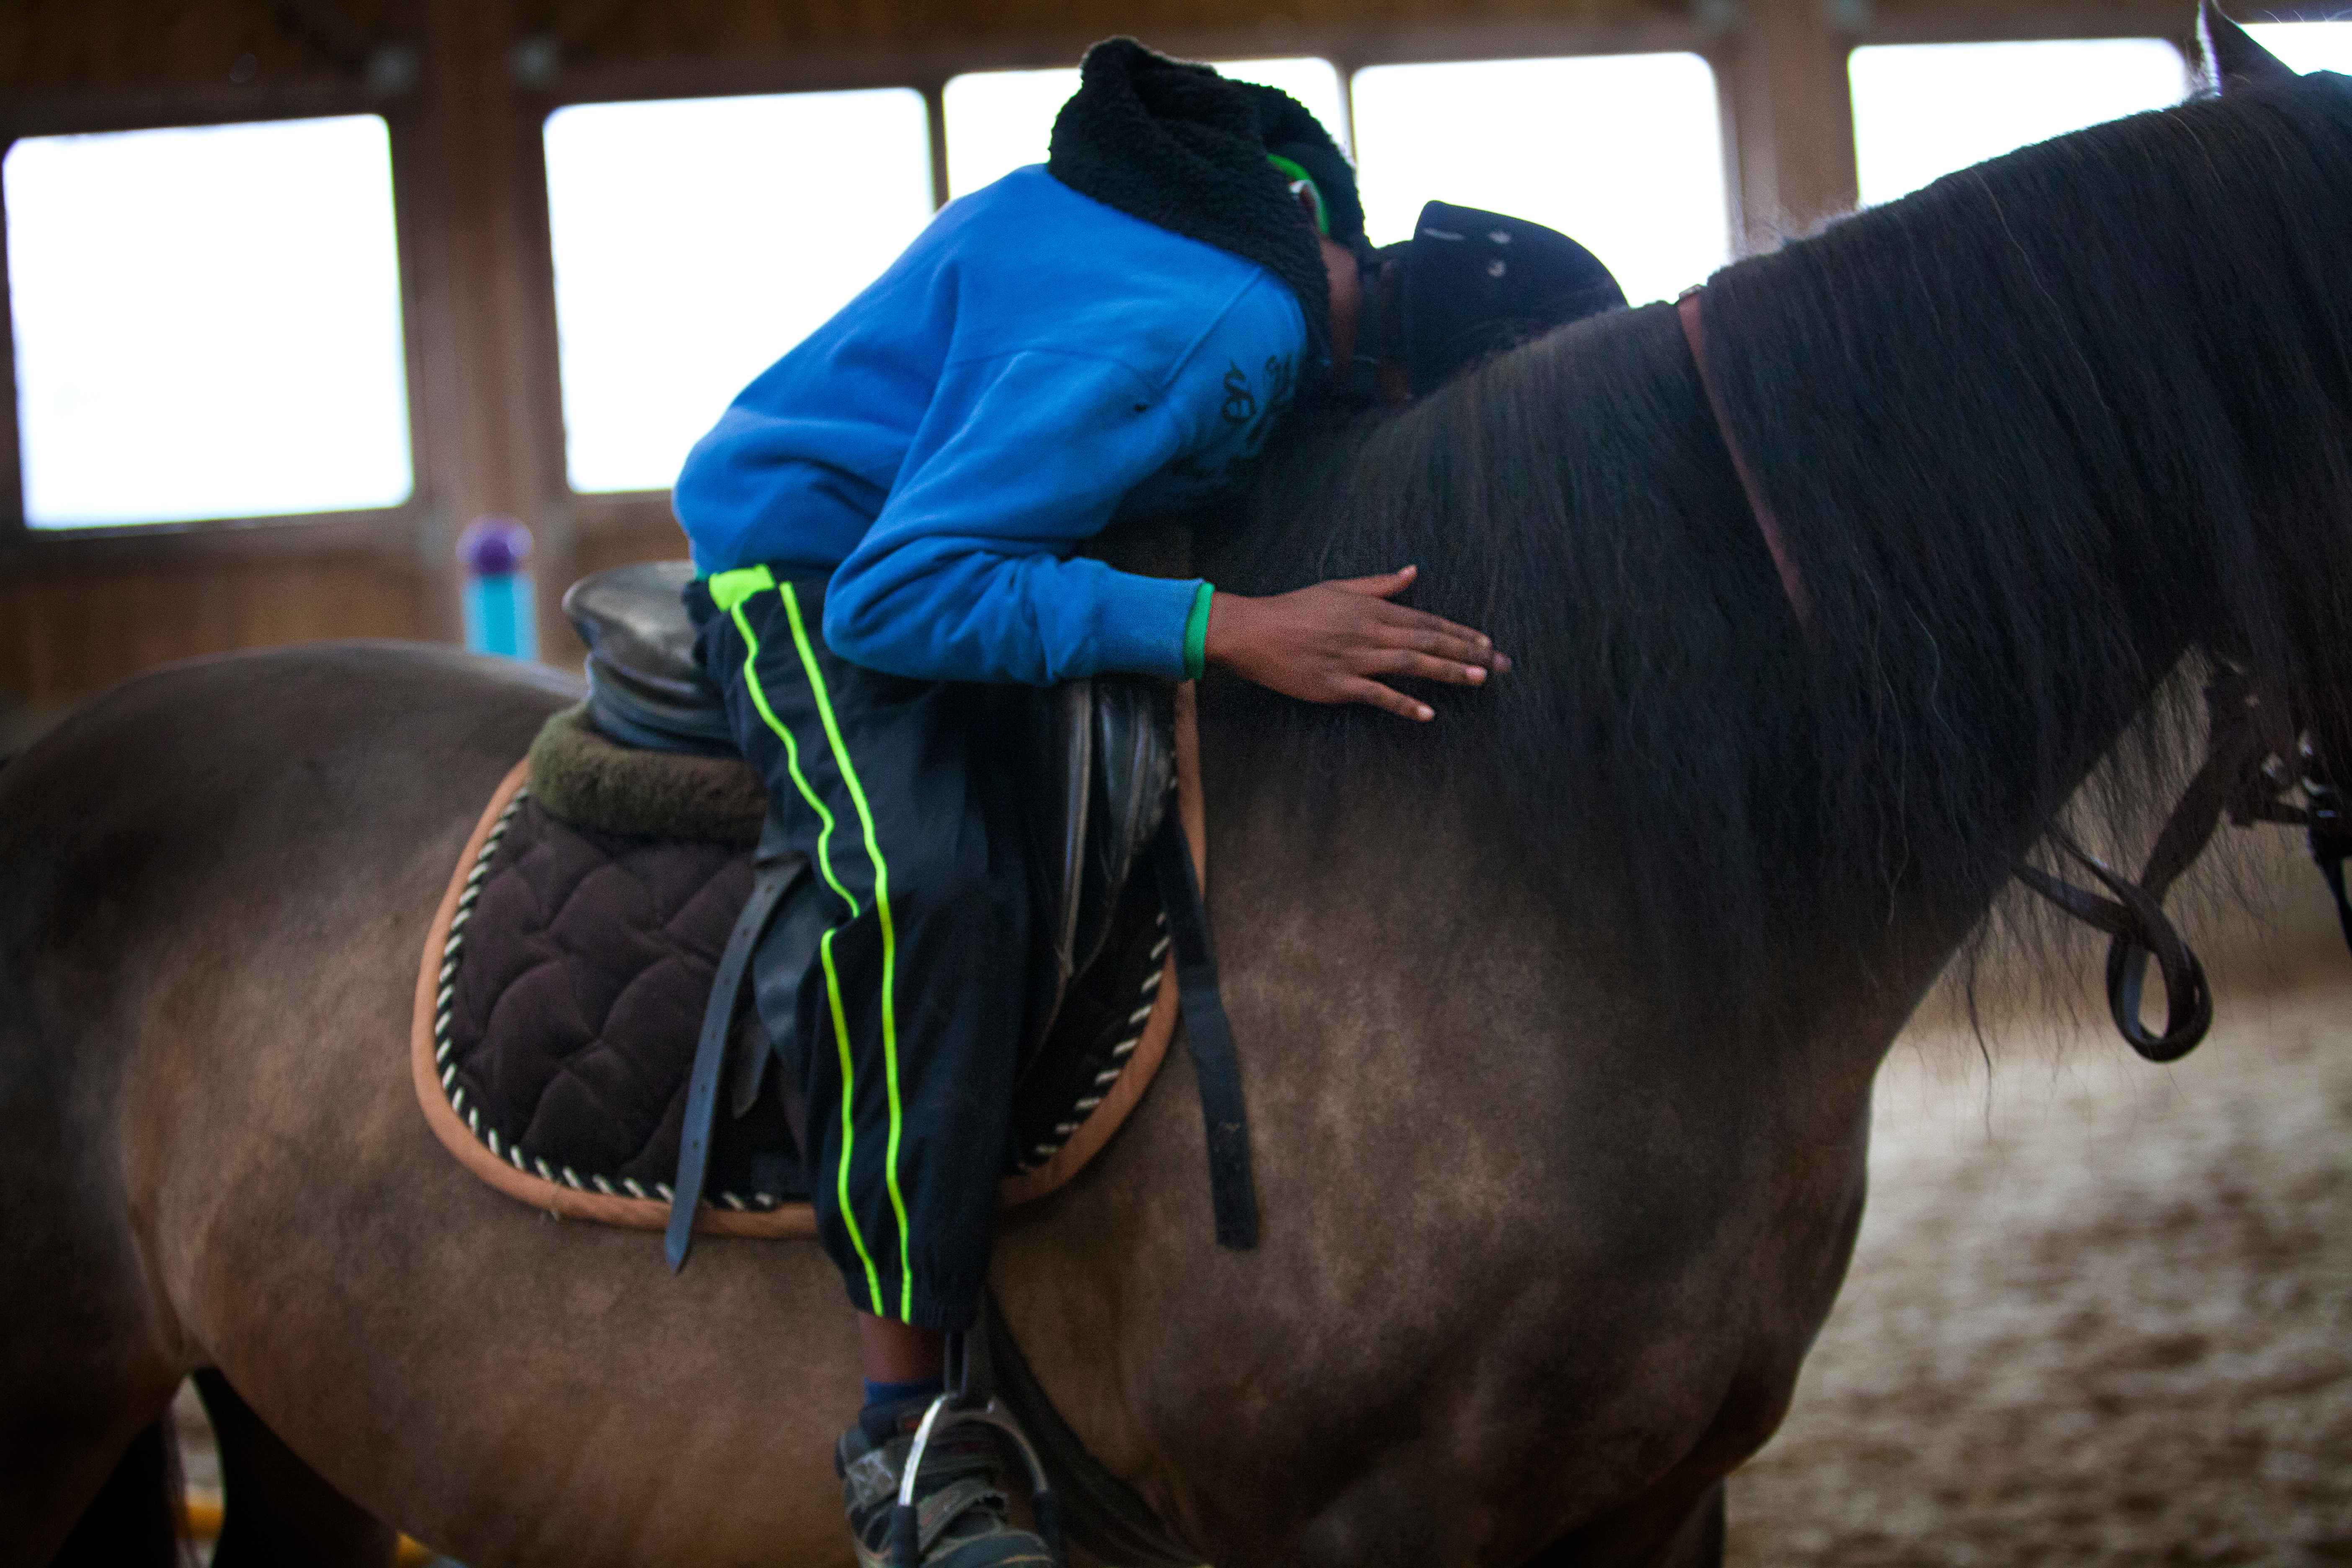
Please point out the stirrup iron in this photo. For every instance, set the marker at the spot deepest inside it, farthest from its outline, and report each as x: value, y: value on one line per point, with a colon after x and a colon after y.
x: 961, y: 1406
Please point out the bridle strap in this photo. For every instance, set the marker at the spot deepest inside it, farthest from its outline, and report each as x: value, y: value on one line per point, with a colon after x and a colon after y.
x: 2242, y: 779
x: 1791, y: 583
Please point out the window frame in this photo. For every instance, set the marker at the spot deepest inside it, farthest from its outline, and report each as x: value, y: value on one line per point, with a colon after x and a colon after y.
x: 393, y: 529
x: 608, y: 510
x: 619, y: 517
x: 625, y: 513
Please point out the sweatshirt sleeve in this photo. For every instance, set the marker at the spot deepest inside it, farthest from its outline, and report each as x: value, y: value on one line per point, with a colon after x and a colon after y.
x: 963, y: 576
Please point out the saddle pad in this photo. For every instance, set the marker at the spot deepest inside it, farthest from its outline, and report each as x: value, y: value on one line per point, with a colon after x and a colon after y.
x: 559, y: 996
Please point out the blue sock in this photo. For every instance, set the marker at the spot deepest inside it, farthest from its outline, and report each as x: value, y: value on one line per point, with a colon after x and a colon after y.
x: 924, y: 1388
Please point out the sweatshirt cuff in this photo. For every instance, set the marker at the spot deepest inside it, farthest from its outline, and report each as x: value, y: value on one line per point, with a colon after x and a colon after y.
x: 1196, y: 634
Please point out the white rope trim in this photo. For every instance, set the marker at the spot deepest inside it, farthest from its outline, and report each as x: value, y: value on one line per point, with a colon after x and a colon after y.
x: 443, y: 1009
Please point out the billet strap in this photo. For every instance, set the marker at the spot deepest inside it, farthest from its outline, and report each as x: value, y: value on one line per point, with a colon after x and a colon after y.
x: 772, y: 876
x: 1767, y: 523
x: 1212, y: 1037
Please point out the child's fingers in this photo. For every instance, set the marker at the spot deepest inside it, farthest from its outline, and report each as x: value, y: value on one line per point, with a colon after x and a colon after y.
x: 1437, y: 645
x: 1373, y: 694
x: 1387, y: 586
x: 1401, y: 628
x: 1421, y: 666
x: 1405, y: 615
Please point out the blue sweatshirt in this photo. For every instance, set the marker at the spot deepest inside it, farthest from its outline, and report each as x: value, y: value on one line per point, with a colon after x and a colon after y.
x: 1035, y: 363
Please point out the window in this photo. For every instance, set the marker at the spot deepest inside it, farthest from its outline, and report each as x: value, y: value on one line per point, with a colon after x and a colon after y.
x: 696, y: 239
x: 1921, y: 111
x: 1624, y: 152
x: 2307, y: 46
x: 207, y: 322
x: 999, y: 121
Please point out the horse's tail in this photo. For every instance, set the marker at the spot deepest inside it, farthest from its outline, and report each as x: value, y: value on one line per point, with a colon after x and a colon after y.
x: 137, y: 1520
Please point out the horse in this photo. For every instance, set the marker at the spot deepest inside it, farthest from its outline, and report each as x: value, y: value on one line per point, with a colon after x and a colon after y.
x: 1558, y: 1017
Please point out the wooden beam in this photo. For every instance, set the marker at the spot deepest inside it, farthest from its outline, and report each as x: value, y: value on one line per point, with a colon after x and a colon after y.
x: 1349, y: 45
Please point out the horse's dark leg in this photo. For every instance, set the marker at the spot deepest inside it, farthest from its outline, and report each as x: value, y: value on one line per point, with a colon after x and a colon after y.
x: 1699, y: 1543
x: 87, y: 1363
x: 277, y: 1509
x: 1654, y: 1531
x: 135, y: 1517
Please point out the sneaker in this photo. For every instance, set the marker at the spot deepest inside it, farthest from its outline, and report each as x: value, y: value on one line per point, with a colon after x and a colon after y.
x: 960, y: 1502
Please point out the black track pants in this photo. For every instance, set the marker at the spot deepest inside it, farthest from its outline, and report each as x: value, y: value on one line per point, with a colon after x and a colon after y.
x: 912, y: 1009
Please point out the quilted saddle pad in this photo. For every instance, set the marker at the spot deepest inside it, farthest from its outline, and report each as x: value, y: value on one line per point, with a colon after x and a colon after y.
x: 562, y: 990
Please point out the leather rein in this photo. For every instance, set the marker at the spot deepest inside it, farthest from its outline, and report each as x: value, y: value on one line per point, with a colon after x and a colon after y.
x: 2245, y: 776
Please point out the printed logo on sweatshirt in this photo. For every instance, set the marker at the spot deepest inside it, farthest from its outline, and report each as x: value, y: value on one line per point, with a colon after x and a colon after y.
x: 1241, y: 403
x: 1250, y: 410
x: 1281, y: 386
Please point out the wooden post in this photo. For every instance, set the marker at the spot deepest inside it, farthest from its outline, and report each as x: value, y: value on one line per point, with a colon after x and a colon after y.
x: 487, y: 343
x: 934, y: 90
x: 1791, y: 119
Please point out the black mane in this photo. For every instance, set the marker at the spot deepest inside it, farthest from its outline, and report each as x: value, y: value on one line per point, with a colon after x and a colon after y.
x: 2032, y: 434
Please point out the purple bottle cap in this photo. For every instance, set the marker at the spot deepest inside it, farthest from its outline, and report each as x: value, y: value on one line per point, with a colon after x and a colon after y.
x: 494, y: 546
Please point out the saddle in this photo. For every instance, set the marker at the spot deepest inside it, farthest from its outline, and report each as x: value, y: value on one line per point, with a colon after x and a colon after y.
x: 595, y: 950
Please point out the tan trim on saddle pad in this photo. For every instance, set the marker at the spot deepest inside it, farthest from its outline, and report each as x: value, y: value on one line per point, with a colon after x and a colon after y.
x: 652, y: 1213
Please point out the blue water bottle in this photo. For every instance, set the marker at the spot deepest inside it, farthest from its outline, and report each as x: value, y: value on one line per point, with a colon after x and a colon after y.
x: 499, y: 614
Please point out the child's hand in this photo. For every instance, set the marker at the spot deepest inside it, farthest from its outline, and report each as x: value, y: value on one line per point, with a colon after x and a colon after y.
x: 1326, y: 643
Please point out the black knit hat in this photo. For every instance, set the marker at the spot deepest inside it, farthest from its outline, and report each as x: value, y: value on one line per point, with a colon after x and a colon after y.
x: 1183, y: 147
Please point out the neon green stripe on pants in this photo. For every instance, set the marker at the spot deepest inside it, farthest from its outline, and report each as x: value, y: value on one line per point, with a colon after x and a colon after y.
x: 737, y: 587
x: 889, y: 945
x: 727, y: 591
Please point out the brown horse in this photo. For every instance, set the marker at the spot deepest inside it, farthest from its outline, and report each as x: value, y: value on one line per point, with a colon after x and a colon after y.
x: 1558, y: 1017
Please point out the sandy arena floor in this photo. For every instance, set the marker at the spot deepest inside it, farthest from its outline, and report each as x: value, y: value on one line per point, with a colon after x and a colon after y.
x: 2100, y: 1312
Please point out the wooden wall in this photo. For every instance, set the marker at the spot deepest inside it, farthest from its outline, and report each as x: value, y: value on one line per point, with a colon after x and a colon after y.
x: 464, y: 85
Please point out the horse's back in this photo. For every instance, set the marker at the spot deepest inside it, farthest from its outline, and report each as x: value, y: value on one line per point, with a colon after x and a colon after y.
x: 153, y: 848
x: 180, y: 846
x: 186, y: 802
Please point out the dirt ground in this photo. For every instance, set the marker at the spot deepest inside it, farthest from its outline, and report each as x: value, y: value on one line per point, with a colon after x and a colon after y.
x: 2100, y: 1312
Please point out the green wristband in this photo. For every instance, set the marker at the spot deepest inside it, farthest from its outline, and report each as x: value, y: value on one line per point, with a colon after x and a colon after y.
x: 1196, y: 634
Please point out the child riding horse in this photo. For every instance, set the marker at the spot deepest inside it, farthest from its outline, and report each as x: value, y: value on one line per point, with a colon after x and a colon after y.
x: 885, y: 519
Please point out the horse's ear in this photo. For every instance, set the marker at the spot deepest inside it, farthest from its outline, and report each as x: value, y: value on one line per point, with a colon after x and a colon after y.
x: 2232, y: 59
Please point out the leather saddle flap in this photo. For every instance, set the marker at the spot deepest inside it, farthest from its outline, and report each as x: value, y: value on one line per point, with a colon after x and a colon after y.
x: 644, y: 686
x: 1098, y: 763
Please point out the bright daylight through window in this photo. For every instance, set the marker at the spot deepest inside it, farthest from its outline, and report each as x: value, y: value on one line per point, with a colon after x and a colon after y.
x: 2307, y: 46
x: 1622, y: 151
x: 1921, y: 111
x: 207, y: 322
x: 696, y: 239
x: 999, y: 121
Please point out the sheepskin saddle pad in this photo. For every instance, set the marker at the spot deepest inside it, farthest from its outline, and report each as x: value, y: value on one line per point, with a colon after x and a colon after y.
x: 564, y: 984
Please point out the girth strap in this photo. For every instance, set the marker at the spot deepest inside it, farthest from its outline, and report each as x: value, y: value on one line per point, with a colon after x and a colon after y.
x: 1212, y: 1037
x: 773, y: 873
